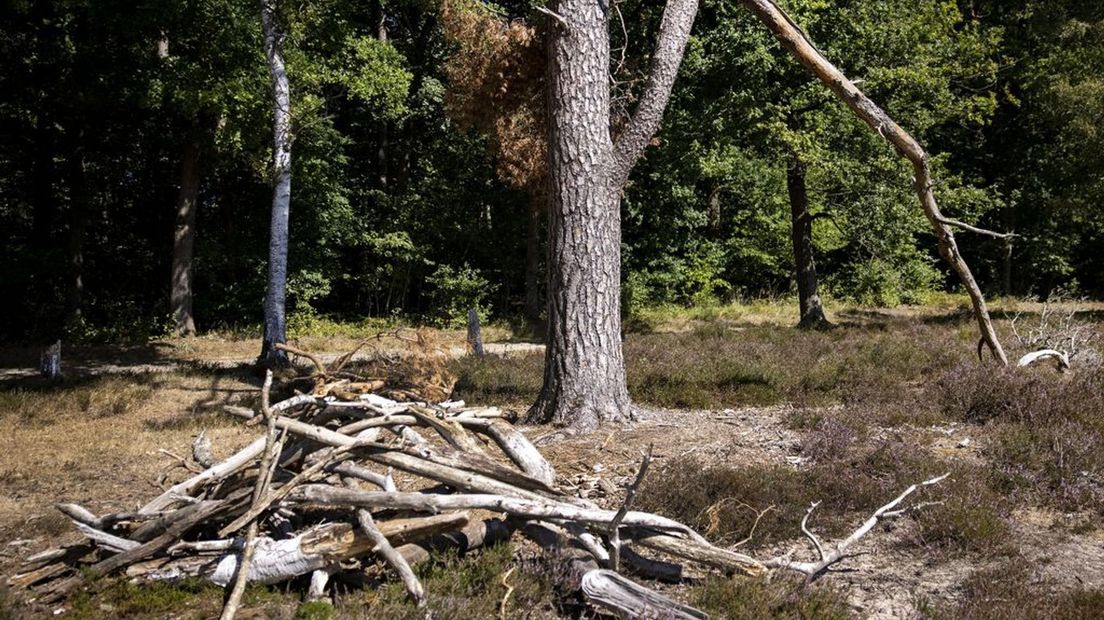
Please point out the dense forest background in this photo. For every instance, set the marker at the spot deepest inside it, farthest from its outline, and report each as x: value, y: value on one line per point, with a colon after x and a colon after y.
x: 401, y: 205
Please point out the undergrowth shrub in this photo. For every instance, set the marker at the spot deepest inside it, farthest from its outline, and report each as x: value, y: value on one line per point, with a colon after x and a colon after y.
x: 498, y: 380
x: 714, y: 367
x: 460, y: 588
x: 1010, y: 591
x: 741, y: 598
x: 723, y: 502
x: 1046, y: 430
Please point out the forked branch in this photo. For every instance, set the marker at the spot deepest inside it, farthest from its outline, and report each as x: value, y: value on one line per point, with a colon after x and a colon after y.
x: 674, y: 31
x: 839, y: 551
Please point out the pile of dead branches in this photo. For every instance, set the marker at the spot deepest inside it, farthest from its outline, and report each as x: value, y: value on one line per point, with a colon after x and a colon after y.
x: 335, y: 486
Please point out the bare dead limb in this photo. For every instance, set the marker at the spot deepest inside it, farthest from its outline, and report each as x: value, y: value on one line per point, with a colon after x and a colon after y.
x: 630, y: 495
x: 974, y: 229
x: 839, y: 552
x: 264, y: 477
x: 610, y: 591
x: 1061, y: 360
x: 201, y: 451
x: 795, y: 40
x: 389, y: 555
x: 556, y: 16
x: 1057, y: 336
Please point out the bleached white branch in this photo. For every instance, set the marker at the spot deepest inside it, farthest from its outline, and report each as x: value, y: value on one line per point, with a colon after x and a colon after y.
x: 1060, y: 358
x: 839, y: 552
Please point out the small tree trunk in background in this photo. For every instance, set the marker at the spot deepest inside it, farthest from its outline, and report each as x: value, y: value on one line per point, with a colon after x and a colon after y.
x: 1006, y: 266
x: 78, y: 223
x: 801, y: 231
x: 475, y: 336
x: 275, y: 326
x: 384, y: 134
x: 180, y: 296
x: 532, y: 263
x: 714, y: 215
x: 49, y: 365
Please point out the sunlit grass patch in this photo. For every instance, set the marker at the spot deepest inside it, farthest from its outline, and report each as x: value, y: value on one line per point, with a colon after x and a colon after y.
x: 44, y: 403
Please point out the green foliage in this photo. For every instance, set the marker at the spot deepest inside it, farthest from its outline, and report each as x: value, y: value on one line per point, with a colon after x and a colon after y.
x: 101, y: 100
x: 455, y: 292
x: 121, y: 599
x: 316, y: 610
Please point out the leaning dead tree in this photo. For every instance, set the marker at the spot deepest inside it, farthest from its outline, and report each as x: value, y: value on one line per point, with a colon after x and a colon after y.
x: 337, y: 485
x: 793, y: 38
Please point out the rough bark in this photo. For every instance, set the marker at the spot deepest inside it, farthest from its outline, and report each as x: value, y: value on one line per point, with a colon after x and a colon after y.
x: 275, y: 327
x: 180, y: 295
x: 584, y: 377
x: 801, y: 232
x: 794, y: 40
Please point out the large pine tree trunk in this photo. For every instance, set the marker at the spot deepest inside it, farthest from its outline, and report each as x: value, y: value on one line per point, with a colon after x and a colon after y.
x: 275, y: 327
x: 812, y: 312
x: 584, y: 373
x: 180, y: 295
x: 584, y: 377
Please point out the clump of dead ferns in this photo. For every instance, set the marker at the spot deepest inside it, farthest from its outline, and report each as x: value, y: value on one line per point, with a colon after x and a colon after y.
x: 340, y: 483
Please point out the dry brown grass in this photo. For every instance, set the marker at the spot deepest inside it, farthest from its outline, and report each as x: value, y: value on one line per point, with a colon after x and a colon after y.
x: 1012, y: 591
x: 95, y: 441
x: 864, y: 399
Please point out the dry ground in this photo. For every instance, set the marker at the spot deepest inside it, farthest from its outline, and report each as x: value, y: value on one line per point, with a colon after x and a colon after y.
x: 743, y: 412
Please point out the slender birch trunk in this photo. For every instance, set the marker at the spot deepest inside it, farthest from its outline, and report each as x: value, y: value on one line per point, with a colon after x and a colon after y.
x: 275, y: 326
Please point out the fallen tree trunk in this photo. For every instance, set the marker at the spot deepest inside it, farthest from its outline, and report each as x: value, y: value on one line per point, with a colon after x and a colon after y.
x: 276, y: 561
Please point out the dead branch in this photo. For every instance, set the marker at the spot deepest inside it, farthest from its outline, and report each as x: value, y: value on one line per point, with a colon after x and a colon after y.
x: 260, y: 488
x: 1061, y: 360
x: 610, y: 591
x: 201, y: 451
x: 297, y: 522
x: 795, y: 40
x: 839, y: 552
x: 630, y: 495
x: 974, y: 229
x: 389, y: 555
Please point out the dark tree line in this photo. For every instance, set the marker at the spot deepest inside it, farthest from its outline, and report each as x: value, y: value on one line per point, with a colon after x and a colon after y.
x: 136, y: 161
